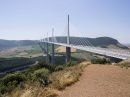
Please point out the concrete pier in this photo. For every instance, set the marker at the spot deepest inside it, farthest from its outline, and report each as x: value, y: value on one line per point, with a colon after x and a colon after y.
x: 47, y: 54
x: 68, y: 54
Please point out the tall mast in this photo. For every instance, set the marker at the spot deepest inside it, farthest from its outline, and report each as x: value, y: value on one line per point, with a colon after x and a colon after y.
x: 68, y: 34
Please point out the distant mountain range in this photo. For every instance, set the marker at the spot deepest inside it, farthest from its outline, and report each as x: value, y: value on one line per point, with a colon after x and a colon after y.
x: 128, y: 44
x: 105, y: 42
x: 5, y: 44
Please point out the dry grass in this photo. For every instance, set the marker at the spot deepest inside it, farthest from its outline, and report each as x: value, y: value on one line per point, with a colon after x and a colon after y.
x: 40, y: 92
x: 62, y: 49
x: 15, y: 93
x: 66, y: 77
x: 125, y: 64
x: 34, y: 92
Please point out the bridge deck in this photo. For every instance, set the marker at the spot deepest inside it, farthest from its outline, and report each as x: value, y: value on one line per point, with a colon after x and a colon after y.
x: 121, y: 54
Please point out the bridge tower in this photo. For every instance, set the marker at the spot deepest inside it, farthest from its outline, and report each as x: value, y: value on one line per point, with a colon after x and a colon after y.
x: 68, y: 49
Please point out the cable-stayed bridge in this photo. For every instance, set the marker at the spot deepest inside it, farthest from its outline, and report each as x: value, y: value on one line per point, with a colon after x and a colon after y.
x: 83, y: 44
x: 86, y: 46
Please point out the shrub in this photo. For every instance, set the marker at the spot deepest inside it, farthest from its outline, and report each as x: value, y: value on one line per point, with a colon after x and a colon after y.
x: 11, y: 81
x: 72, y: 63
x: 65, y: 77
x: 18, y: 77
x: 35, y: 67
x: 51, y: 68
x: 59, y: 67
x: 125, y: 63
x: 97, y: 60
x: 41, y: 76
x: 42, y: 65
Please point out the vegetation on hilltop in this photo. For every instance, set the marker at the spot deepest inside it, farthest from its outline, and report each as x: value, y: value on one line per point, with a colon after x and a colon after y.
x: 45, y: 80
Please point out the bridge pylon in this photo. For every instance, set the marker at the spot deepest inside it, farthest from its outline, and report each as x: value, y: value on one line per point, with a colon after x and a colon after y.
x: 68, y: 49
x: 47, y: 54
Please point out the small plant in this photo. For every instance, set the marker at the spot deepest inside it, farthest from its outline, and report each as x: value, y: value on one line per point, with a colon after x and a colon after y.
x: 125, y: 64
x: 72, y: 63
x: 41, y: 76
x: 98, y: 60
x: 65, y: 77
x: 59, y: 67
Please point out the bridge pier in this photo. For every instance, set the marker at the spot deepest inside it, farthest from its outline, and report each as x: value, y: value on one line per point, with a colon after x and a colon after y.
x: 68, y: 54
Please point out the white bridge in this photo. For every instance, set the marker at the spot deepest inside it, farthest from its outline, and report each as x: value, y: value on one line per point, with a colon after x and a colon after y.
x: 85, y: 45
x: 116, y: 53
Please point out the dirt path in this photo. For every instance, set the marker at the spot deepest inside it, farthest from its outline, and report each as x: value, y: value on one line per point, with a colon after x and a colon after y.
x: 101, y: 81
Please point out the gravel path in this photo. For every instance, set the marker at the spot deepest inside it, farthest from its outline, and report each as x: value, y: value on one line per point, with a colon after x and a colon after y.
x: 101, y: 81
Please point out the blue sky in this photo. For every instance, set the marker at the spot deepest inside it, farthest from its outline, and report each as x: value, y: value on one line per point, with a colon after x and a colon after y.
x: 32, y: 19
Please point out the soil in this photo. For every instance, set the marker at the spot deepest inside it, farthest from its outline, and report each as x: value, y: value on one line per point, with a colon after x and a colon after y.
x: 101, y: 81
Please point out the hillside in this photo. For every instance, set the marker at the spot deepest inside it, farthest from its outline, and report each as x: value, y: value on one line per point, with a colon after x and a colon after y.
x: 105, y: 42
x: 100, y: 41
x: 83, y: 78
x: 128, y: 45
x: 5, y: 44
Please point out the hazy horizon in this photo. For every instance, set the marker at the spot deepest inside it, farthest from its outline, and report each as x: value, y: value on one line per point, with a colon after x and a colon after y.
x: 32, y: 19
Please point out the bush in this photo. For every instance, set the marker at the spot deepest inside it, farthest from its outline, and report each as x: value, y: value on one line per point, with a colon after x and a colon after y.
x: 59, y: 67
x: 97, y: 60
x: 72, y: 63
x: 42, y: 65
x: 41, y: 76
x: 51, y: 68
x: 35, y: 67
x: 125, y: 63
x: 66, y: 77
x: 11, y: 81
